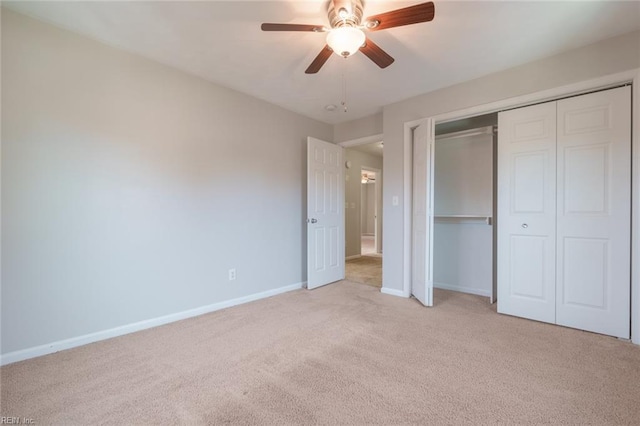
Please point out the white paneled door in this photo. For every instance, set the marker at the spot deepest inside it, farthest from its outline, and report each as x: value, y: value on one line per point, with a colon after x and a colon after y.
x: 422, y: 214
x: 594, y: 212
x: 564, y: 210
x: 527, y: 212
x: 325, y: 213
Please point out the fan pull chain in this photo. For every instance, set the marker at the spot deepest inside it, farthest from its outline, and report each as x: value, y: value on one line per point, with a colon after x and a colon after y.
x: 344, y: 87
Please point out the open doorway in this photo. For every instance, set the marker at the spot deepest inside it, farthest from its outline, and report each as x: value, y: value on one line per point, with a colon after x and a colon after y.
x: 363, y: 214
x: 368, y: 211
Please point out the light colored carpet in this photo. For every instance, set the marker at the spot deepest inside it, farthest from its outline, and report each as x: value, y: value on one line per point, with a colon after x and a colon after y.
x: 365, y: 270
x: 341, y: 354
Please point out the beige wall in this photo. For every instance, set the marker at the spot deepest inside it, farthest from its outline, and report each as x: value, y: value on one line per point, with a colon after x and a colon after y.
x: 356, y: 129
x: 130, y: 188
x: 607, y: 57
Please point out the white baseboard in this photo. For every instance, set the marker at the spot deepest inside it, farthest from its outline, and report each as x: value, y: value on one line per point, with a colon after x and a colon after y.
x: 74, y: 342
x: 469, y: 290
x: 355, y: 256
x: 393, y: 292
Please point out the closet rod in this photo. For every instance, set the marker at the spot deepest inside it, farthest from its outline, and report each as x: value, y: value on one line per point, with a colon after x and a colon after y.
x: 487, y: 130
x: 486, y: 219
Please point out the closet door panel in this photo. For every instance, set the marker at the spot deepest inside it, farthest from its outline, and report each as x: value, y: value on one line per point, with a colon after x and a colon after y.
x: 528, y: 192
x: 526, y: 212
x: 419, y: 273
x: 422, y: 214
x: 528, y: 254
x: 593, y: 212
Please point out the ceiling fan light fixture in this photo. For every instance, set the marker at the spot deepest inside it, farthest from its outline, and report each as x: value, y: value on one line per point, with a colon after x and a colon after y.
x: 371, y: 24
x: 345, y: 41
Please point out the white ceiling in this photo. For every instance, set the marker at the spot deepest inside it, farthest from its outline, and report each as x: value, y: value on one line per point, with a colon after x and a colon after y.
x: 221, y: 41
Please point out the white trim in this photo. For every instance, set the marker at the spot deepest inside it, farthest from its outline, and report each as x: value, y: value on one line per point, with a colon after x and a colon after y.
x: 362, y: 141
x: 74, y: 342
x: 632, y: 76
x: 460, y: 289
x: 392, y: 292
x: 355, y: 256
x: 635, y: 210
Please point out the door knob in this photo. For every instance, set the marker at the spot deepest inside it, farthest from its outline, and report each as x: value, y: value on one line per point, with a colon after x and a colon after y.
x: 524, y: 225
x: 312, y: 220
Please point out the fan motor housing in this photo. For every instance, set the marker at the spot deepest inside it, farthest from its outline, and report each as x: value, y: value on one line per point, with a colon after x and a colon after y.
x: 345, y: 13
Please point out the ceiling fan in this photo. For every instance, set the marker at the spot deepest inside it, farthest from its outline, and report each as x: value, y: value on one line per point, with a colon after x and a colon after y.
x: 346, y: 34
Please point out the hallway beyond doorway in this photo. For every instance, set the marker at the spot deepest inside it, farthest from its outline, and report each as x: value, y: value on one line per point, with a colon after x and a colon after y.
x: 368, y: 245
x: 366, y: 269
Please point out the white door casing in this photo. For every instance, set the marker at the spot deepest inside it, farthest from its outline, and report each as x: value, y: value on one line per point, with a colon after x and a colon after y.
x: 325, y: 213
x: 422, y: 214
x: 594, y: 212
x: 378, y: 237
x: 526, y: 212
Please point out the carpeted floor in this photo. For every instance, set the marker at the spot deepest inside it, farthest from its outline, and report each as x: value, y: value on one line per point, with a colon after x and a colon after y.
x: 340, y: 354
x: 365, y: 270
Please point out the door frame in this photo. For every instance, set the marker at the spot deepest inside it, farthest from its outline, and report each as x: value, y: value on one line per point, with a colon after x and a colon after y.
x: 608, y: 81
x: 379, y: 137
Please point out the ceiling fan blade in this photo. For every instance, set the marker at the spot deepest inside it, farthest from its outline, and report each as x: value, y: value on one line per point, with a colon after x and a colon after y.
x: 376, y: 54
x: 319, y: 61
x: 396, y: 18
x: 292, y: 27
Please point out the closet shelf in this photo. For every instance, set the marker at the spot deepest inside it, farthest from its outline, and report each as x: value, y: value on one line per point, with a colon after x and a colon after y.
x: 465, y: 217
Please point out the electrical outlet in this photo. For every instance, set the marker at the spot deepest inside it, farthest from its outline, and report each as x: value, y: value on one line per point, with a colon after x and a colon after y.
x: 232, y: 274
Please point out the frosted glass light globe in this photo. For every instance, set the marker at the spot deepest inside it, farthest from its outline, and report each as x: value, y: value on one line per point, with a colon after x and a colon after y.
x: 345, y: 41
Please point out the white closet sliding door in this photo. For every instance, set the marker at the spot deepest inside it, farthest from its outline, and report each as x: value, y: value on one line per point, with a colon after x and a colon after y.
x: 527, y: 212
x: 594, y: 212
x: 564, y: 206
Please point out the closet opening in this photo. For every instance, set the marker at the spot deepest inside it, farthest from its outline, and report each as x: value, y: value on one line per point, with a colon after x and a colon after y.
x: 464, y: 209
